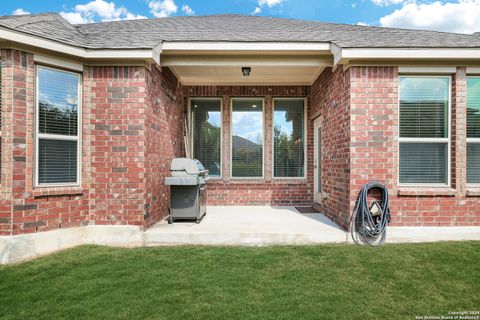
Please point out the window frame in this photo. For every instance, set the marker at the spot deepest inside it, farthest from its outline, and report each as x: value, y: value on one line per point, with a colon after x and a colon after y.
x: 304, y: 177
x: 263, y: 138
x: 471, y: 140
x: 58, y: 137
x: 219, y: 177
x: 447, y: 140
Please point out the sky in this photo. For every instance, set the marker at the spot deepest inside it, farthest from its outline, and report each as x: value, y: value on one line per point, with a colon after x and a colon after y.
x: 452, y: 16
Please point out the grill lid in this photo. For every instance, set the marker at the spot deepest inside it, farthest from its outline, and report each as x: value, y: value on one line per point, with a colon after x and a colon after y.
x: 187, y: 167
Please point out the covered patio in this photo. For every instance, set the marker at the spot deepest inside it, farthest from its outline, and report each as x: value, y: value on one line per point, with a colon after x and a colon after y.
x: 249, y: 225
x: 269, y: 225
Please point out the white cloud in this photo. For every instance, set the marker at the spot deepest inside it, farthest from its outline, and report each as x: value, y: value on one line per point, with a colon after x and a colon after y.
x: 385, y: 3
x: 268, y: 3
x: 98, y: 10
x: 461, y: 16
x: 162, y: 8
x: 187, y: 10
x: 361, y: 23
x: 19, y: 11
x: 257, y: 10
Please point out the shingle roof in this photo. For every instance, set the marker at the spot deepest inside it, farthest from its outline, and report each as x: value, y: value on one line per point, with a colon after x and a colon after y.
x: 147, y: 33
x: 46, y: 25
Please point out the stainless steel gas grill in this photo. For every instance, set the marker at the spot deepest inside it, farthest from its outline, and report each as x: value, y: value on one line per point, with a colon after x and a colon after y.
x: 188, y: 185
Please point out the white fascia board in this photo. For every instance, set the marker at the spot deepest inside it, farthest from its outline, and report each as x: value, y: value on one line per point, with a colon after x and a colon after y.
x: 405, y: 54
x: 66, y: 64
x: 426, y: 70
x: 119, y: 54
x: 300, y: 61
x: 41, y: 43
x: 337, y: 54
x: 79, y: 52
x: 245, y: 46
x: 473, y: 70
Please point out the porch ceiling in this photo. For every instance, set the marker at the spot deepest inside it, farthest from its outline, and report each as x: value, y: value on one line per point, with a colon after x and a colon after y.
x: 265, y: 70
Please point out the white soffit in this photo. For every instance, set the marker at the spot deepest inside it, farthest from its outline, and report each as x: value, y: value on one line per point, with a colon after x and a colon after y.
x: 198, y: 75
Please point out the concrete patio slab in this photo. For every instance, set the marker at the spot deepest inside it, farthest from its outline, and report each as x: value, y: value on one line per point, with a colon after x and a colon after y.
x: 249, y: 225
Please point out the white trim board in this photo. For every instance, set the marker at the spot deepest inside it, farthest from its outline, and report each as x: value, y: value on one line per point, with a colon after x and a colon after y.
x: 61, y: 63
x: 150, y: 54
x: 426, y: 70
x: 342, y: 55
x: 244, y: 46
x: 473, y: 70
x: 258, y: 60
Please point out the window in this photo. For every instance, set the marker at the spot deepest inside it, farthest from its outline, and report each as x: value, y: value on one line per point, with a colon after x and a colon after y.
x: 57, y: 114
x: 424, y: 130
x: 289, y: 138
x: 206, y: 119
x: 247, y: 138
x: 473, y: 130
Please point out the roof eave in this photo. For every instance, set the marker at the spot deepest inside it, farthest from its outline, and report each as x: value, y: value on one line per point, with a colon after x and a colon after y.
x: 152, y: 54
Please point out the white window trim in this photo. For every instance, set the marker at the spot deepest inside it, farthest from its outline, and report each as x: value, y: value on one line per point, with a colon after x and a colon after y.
x: 39, y: 135
x: 447, y: 140
x: 263, y: 137
x: 473, y: 140
x: 304, y: 138
x: 219, y: 177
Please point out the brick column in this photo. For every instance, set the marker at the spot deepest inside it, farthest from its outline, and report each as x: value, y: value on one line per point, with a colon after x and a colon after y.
x: 226, y: 127
x: 459, y: 131
x: 268, y: 139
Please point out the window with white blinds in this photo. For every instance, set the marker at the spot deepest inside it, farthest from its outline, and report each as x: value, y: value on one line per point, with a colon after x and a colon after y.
x: 58, y: 101
x: 424, y: 130
x: 473, y: 130
x: 247, y: 138
x: 206, y: 130
x: 289, y: 138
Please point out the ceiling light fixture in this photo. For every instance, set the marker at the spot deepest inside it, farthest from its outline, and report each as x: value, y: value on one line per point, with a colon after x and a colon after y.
x: 246, y: 71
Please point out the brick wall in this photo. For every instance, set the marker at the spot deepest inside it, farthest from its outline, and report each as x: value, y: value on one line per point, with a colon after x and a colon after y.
x: 116, y: 130
x: 133, y: 126
x: 330, y: 100
x: 266, y: 191
x: 24, y: 209
x: 374, y: 152
x: 164, y: 121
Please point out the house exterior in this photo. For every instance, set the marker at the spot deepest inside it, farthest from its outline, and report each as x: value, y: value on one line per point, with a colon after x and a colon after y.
x: 281, y: 112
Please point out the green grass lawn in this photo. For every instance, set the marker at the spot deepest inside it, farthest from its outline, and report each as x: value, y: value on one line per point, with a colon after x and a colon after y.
x: 301, y: 282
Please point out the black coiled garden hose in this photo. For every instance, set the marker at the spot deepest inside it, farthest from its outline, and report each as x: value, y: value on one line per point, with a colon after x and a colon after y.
x: 367, y: 228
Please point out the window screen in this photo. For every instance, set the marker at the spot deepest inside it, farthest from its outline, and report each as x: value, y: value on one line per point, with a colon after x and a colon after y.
x: 206, y: 124
x: 57, y: 126
x: 424, y: 130
x: 473, y: 130
x: 247, y: 138
x: 289, y: 138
